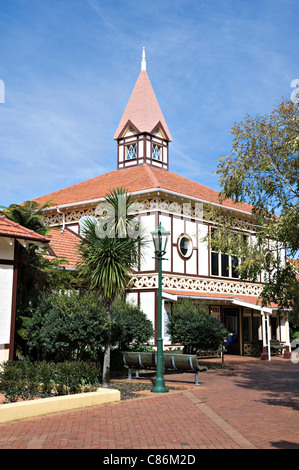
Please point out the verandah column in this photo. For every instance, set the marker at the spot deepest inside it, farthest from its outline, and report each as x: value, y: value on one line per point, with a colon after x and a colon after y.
x: 264, y: 355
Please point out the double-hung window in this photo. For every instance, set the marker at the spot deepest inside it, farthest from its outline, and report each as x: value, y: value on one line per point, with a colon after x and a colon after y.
x: 222, y: 264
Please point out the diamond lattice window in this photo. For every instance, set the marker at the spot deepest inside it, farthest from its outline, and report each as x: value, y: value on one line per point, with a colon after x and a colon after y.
x: 156, y: 152
x: 131, y: 151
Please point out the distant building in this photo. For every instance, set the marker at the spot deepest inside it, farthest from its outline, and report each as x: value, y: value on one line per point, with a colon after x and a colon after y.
x: 11, y: 234
x: 191, y: 270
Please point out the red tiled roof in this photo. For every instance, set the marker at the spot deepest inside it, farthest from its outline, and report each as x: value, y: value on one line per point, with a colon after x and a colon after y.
x: 8, y: 228
x: 139, y: 178
x: 64, y: 245
x: 143, y: 109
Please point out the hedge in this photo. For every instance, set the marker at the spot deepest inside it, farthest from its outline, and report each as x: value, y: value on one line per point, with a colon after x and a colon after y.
x: 26, y: 380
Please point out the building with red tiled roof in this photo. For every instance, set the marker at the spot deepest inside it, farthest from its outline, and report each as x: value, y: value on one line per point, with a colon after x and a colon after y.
x: 11, y: 229
x: 63, y: 244
x: 11, y: 234
x: 190, y: 269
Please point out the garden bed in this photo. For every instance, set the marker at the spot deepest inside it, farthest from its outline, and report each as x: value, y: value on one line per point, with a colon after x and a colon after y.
x: 134, y: 389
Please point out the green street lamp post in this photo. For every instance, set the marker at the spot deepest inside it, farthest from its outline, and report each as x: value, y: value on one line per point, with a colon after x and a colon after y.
x: 160, y: 238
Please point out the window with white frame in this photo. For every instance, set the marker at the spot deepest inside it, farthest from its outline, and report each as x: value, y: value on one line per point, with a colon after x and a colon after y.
x: 185, y: 246
x: 224, y: 265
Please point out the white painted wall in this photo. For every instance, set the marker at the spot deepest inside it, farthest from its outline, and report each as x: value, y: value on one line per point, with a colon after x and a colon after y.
x: 165, y: 320
x: 6, y: 284
x: 147, y: 304
x: 132, y: 297
x: 203, y: 252
x: 6, y: 287
x: 166, y: 224
x: 283, y: 335
x: 178, y: 262
x: 178, y: 229
x: 147, y: 261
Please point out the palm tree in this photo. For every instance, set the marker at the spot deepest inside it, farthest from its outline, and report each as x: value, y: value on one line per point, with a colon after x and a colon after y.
x: 108, y: 260
x: 28, y: 215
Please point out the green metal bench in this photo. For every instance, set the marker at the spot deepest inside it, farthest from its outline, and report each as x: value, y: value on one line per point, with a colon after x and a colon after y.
x: 148, y: 360
x: 201, y: 353
x: 275, y: 346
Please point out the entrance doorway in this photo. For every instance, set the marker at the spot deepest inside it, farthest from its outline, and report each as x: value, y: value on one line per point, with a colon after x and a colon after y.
x: 230, y: 318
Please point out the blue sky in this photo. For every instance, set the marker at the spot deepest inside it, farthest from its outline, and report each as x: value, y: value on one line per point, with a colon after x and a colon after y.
x: 69, y: 67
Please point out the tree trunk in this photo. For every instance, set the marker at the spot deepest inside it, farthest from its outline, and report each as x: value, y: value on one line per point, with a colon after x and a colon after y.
x: 106, y: 362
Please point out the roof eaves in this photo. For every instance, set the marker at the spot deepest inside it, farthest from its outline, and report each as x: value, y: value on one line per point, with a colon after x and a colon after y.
x: 152, y: 190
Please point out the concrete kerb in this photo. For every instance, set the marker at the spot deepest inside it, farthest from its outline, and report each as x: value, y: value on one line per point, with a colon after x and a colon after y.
x: 44, y: 406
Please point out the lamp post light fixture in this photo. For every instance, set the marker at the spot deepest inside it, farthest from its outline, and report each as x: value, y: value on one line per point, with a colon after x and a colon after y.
x: 160, y: 238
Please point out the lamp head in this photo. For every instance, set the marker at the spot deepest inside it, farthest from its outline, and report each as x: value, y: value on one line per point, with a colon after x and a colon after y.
x: 160, y: 237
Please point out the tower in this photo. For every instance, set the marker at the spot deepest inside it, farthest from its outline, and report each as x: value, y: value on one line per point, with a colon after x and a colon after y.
x: 142, y: 134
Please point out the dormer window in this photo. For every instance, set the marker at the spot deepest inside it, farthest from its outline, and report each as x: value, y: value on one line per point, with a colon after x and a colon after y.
x: 156, y: 152
x: 131, y: 151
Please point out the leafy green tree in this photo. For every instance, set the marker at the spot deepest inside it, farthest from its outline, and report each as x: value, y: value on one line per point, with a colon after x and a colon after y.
x: 130, y: 325
x: 110, y: 251
x: 191, y: 326
x: 29, y: 215
x: 67, y: 326
x: 263, y: 171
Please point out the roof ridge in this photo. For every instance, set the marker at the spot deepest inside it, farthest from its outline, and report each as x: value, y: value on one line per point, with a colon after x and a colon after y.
x: 152, y: 177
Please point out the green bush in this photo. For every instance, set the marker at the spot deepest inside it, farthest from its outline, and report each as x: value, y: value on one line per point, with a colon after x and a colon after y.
x: 26, y: 380
x: 67, y: 326
x: 191, y: 326
x: 130, y: 325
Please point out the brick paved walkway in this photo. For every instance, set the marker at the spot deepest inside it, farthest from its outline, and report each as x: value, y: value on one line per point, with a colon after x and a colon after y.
x: 250, y: 404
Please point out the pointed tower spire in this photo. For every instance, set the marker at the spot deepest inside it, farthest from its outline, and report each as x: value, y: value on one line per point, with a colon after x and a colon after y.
x: 142, y: 133
x: 143, y: 61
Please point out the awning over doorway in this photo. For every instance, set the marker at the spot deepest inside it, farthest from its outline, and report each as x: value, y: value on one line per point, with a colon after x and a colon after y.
x: 240, y: 300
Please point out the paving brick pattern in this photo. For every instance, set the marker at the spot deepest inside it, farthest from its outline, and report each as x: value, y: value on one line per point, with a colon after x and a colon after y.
x: 249, y: 404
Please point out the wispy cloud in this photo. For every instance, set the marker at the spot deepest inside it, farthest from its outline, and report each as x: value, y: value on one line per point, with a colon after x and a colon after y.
x: 69, y: 69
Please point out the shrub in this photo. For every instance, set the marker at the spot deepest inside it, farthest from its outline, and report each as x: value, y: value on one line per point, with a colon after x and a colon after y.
x: 67, y: 326
x: 191, y: 326
x: 26, y: 380
x: 130, y: 325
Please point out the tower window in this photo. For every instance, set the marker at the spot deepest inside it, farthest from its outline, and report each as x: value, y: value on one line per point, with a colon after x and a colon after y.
x: 131, y: 151
x: 156, y: 152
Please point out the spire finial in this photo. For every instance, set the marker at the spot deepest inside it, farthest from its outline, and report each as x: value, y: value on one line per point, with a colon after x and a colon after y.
x: 143, y: 62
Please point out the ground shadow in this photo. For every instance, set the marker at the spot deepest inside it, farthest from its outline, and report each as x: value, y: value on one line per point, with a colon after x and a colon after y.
x: 285, y: 445
x: 279, y: 380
